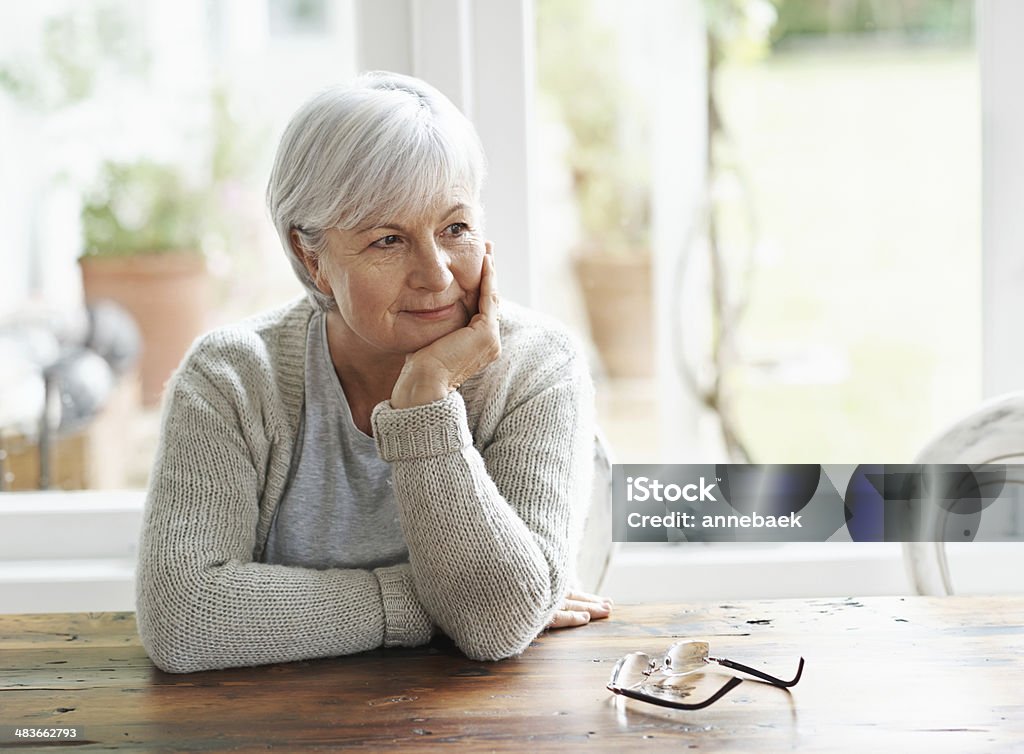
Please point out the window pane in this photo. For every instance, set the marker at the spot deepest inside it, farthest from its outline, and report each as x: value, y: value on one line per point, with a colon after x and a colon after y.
x: 187, y: 98
x: 842, y: 197
x: 859, y: 134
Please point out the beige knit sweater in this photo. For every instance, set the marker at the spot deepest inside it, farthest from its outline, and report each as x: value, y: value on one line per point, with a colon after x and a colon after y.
x: 491, y: 484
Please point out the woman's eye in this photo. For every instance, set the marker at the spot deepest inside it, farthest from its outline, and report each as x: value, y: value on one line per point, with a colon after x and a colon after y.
x: 457, y: 229
x: 386, y: 242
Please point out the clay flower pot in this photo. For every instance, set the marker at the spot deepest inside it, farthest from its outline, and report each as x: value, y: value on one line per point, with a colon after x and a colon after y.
x: 617, y: 291
x: 166, y: 293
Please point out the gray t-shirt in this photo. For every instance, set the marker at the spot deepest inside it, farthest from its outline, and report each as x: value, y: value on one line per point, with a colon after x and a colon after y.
x: 338, y: 510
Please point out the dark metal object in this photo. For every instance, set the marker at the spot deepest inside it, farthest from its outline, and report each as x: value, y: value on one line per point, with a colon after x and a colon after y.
x: 114, y: 335
x: 77, y: 369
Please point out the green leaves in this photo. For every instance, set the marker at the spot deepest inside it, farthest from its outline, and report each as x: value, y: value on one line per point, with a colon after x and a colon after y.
x: 141, y: 207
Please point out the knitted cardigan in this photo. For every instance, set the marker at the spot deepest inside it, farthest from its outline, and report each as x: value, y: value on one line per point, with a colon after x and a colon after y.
x: 491, y: 484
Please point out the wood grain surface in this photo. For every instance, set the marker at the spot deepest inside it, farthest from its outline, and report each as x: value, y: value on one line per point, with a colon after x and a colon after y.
x: 883, y: 674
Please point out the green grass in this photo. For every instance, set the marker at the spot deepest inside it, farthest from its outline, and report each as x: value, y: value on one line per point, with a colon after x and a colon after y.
x: 864, y: 167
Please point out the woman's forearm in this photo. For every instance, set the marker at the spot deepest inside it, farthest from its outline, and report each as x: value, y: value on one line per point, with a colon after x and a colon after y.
x: 479, y: 571
x: 203, y: 603
x: 233, y: 614
x: 488, y: 535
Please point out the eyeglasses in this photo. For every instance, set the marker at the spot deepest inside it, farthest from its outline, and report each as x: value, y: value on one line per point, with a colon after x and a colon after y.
x: 638, y: 676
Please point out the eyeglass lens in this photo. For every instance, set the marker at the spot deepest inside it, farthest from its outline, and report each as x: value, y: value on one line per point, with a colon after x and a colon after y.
x: 638, y: 671
x: 686, y: 656
x: 631, y: 671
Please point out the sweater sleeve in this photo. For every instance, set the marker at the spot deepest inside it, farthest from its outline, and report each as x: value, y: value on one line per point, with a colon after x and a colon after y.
x: 489, y: 531
x: 202, y: 603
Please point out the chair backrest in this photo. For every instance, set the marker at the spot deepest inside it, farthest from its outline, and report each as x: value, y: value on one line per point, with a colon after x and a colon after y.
x: 994, y: 433
x: 596, y: 547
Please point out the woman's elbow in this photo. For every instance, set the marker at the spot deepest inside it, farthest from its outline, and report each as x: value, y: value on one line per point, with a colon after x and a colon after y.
x: 170, y: 637
x: 495, y: 645
x: 172, y: 662
x: 167, y: 651
x: 504, y: 635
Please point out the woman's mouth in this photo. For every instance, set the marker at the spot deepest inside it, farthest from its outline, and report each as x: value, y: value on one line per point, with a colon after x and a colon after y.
x: 433, y: 314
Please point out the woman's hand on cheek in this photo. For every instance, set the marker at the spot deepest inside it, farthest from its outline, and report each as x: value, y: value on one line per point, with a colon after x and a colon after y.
x: 437, y: 369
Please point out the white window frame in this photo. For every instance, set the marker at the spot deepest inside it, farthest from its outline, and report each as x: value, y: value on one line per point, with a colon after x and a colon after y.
x: 1001, y: 57
x: 480, y: 54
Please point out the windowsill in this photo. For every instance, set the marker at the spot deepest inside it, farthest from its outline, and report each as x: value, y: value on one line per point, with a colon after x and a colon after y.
x: 654, y: 572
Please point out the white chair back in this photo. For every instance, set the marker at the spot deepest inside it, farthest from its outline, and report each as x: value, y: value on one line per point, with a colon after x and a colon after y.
x: 994, y: 433
x: 596, y: 547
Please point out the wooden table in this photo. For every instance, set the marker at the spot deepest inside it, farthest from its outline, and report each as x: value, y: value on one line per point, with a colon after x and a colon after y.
x: 883, y: 674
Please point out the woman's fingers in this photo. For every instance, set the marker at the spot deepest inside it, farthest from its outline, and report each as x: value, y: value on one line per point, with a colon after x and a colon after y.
x: 587, y: 597
x: 486, y: 346
x: 595, y: 609
x: 488, y: 303
x: 569, y: 619
x: 579, y: 608
x: 592, y: 602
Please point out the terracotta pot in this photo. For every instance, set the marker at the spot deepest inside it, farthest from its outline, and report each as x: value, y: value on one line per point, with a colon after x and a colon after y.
x: 617, y: 291
x: 166, y: 294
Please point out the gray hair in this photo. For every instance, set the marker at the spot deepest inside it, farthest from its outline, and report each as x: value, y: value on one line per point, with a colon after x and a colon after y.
x: 367, y: 153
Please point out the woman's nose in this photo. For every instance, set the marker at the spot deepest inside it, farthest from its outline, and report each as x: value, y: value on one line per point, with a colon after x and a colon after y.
x: 431, y: 268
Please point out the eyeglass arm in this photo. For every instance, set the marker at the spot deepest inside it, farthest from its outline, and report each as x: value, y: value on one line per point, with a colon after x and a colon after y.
x: 662, y: 702
x: 759, y: 674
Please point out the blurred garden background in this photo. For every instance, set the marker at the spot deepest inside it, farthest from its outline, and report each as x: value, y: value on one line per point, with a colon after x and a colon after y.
x: 843, y: 191
x: 829, y: 289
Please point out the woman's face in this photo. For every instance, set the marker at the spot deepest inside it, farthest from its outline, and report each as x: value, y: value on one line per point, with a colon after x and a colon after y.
x: 402, y: 285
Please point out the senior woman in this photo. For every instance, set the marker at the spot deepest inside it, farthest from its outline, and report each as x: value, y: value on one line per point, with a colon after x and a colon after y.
x: 390, y: 456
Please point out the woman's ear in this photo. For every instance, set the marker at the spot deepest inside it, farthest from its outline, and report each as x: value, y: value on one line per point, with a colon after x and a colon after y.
x: 313, y: 266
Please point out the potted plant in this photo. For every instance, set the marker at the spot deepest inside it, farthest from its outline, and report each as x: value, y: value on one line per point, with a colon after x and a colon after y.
x: 613, y: 267
x: 579, y: 72
x: 142, y: 226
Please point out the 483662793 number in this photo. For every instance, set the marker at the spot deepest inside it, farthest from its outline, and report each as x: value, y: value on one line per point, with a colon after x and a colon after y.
x: 46, y: 733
